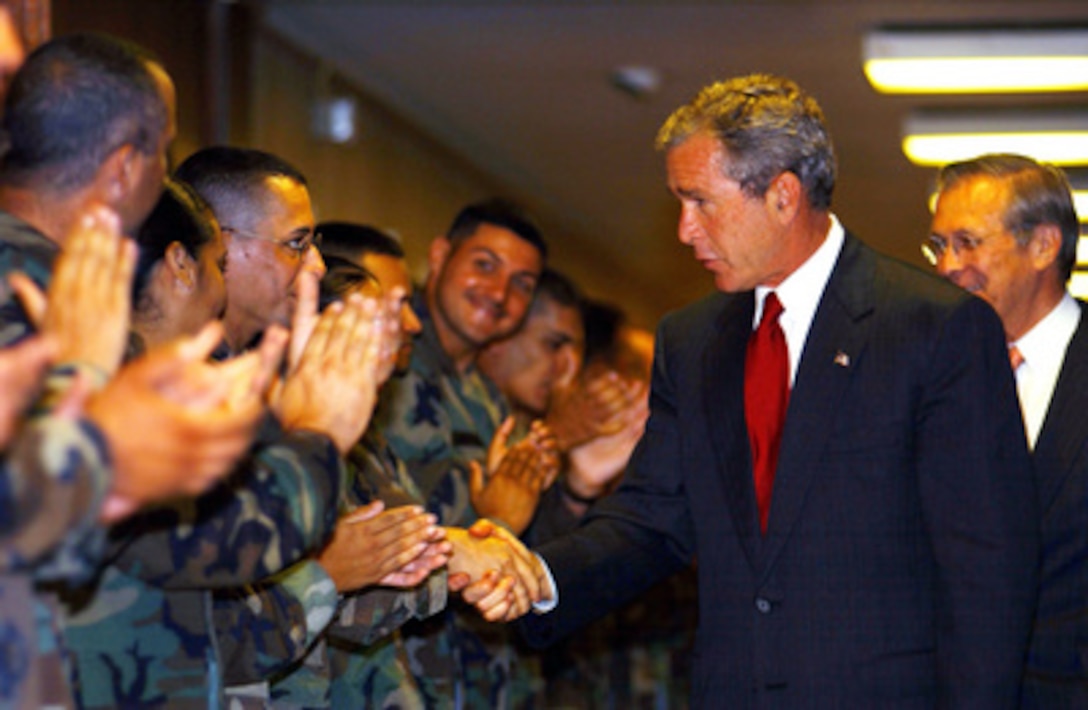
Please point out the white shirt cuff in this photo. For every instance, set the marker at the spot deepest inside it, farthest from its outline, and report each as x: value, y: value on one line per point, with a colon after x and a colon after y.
x: 546, y: 605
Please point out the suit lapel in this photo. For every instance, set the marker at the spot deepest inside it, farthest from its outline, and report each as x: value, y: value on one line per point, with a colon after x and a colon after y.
x: 1065, y: 428
x: 724, y: 368
x: 833, y: 350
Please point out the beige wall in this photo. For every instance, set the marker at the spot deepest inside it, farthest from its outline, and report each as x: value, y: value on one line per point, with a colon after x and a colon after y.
x: 393, y: 176
x: 397, y: 178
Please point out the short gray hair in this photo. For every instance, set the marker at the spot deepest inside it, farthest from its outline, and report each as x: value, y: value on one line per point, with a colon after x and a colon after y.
x: 767, y: 126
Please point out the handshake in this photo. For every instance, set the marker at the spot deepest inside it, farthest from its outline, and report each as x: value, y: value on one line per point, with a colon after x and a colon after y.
x: 495, y: 572
x: 401, y: 547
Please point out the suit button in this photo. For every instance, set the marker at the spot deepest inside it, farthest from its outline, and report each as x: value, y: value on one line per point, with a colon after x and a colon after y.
x: 763, y: 606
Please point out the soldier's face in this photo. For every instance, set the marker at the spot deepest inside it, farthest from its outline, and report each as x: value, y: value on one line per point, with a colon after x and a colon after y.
x: 483, y: 285
x: 392, y: 273
x: 266, y: 255
x: 526, y: 365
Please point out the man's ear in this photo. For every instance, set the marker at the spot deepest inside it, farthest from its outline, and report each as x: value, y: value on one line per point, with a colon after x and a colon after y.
x: 784, y: 195
x: 181, y: 266
x: 1045, y: 245
x: 116, y: 176
x: 438, y: 253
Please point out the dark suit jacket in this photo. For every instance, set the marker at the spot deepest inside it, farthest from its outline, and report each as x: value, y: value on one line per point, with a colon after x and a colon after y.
x: 899, y: 566
x: 1057, y: 670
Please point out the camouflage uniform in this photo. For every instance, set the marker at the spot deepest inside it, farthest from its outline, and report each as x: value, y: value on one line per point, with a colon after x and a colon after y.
x: 353, y: 658
x: 437, y: 420
x: 143, y: 633
x: 52, y: 485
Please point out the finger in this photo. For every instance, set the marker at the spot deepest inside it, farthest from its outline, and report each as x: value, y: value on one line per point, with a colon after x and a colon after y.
x: 314, y: 350
x: 482, y: 528
x: 272, y: 348
x: 522, y: 601
x: 457, y: 581
x: 392, y: 533
x: 304, y: 318
x: 199, y: 347
x: 404, y: 580
x: 475, y: 478
x: 475, y: 592
x: 343, y: 330
x: 496, y: 450
x: 399, y: 561
x: 497, y: 604
x: 31, y: 298
x: 366, y: 512
x: 365, y: 334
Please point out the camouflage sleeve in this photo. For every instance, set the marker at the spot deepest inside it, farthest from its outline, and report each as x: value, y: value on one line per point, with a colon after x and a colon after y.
x: 416, y: 425
x: 52, y: 486
x: 276, y: 508
x: 418, y: 432
x: 371, y: 614
x: 14, y: 325
x: 264, y: 629
x: 60, y: 379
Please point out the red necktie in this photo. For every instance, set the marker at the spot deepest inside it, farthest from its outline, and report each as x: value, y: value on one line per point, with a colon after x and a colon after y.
x: 766, y: 394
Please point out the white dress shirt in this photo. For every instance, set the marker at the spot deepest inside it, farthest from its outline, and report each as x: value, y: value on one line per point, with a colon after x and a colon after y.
x: 800, y: 294
x: 1043, y: 348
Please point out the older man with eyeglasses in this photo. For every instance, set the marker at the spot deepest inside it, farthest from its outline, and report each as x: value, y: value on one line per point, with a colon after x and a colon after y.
x: 1006, y: 229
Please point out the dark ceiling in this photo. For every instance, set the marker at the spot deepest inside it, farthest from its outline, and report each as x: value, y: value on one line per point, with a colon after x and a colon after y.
x: 522, y: 89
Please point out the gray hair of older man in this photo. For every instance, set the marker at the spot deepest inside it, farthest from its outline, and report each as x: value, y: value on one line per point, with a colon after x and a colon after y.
x: 767, y: 125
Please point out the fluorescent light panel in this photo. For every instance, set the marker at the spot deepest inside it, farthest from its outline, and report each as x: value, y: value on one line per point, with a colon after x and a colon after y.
x: 1058, y: 136
x: 982, y: 60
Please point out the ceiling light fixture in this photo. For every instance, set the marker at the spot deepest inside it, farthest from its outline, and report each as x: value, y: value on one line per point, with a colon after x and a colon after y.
x: 936, y: 137
x: 901, y: 60
x: 637, y: 81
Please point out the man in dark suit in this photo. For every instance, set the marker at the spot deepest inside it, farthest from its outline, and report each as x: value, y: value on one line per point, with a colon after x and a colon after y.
x: 1005, y: 228
x: 888, y: 559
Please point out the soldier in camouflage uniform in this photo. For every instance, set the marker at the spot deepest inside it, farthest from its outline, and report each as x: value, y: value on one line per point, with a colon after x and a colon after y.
x: 443, y: 415
x: 638, y: 656
x: 353, y: 662
x: 143, y: 635
x: 68, y: 473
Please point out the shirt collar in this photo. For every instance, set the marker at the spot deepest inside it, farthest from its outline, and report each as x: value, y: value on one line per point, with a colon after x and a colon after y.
x: 800, y: 292
x: 1038, y: 344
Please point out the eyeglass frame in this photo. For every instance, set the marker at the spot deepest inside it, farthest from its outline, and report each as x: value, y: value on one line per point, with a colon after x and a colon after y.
x: 299, y: 251
x: 934, y: 246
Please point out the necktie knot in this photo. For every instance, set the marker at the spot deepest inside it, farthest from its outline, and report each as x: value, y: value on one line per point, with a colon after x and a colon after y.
x: 772, y: 309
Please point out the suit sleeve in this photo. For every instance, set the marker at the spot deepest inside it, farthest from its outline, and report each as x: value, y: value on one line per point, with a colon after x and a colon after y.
x: 978, y: 502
